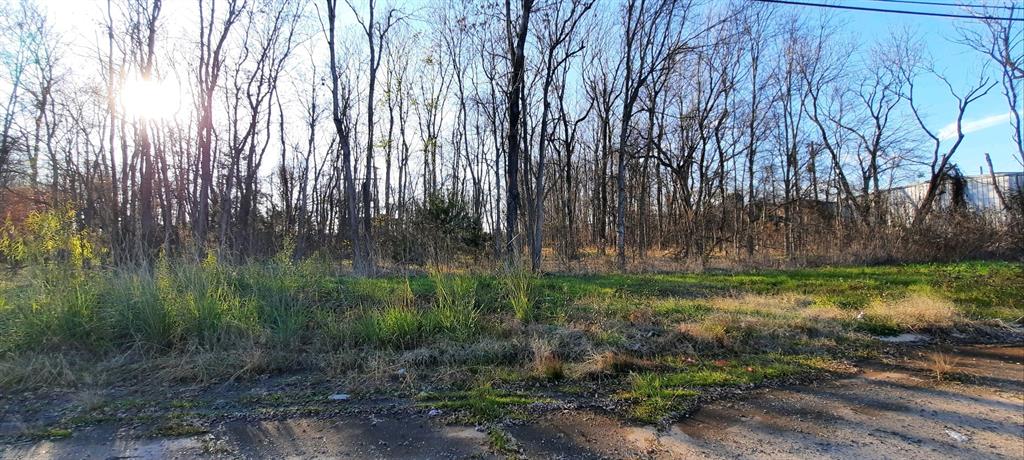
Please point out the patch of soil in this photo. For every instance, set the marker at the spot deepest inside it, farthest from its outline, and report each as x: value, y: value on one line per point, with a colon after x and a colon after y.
x: 343, y: 436
x: 890, y: 409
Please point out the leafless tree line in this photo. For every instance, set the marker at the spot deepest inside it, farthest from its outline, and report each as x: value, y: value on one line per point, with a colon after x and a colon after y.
x: 386, y: 133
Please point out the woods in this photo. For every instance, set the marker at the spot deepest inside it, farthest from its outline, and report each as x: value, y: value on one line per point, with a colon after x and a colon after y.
x: 540, y: 132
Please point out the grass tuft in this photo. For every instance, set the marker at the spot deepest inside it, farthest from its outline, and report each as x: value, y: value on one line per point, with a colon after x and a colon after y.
x: 517, y: 287
x: 481, y: 404
x: 654, y: 399
x: 546, y: 364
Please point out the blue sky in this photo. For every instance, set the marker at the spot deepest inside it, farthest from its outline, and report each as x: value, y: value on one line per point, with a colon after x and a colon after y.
x: 959, y: 63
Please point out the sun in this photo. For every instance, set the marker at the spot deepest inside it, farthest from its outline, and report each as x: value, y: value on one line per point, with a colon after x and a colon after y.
x: 151, y: 99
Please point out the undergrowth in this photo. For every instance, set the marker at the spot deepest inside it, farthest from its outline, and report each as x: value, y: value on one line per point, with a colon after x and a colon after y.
x: 62, y: 324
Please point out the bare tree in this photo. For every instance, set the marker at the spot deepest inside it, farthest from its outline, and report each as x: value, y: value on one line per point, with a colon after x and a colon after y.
x: 516, y: 31
x: 376, y: 32
x: 559, y: 44
x: 1002, y: 41
x: 650, y: 41
x: 341, y: 114
x: 940, y: 157
x: 211, y: 60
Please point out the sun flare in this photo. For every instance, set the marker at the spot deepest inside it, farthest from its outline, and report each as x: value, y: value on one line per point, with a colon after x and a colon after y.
x: 151, y: 99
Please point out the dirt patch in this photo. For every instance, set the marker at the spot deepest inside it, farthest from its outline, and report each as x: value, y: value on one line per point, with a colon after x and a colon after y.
x: 340, y: 437
x: 894, y: 408
x: 891, y: 410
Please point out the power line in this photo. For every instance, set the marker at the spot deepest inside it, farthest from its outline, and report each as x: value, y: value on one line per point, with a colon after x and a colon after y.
x: 885, y: 10
x: 959, y: 4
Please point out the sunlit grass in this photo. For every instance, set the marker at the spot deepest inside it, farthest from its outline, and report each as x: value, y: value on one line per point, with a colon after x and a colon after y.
x: 481, y: 404
x: 209, y: 321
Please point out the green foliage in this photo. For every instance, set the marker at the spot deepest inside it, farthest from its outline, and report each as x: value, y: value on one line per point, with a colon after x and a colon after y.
x: 517, y: 289
x: 455, y: 309
x: 49, y: 238
x: 443, y: 226
x: 481, y: 404
x: 653, y: 399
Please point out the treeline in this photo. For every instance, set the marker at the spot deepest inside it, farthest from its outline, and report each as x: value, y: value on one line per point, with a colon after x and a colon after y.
x: 393, y: 134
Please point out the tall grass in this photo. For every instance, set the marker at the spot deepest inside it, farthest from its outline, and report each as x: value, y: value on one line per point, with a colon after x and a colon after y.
x: 401, y: 324
x: 517, y: 289
x: 176, y: 306
x: 455, y: 309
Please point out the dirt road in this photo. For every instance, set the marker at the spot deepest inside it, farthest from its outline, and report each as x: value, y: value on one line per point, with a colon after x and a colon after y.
x: 894, y: 409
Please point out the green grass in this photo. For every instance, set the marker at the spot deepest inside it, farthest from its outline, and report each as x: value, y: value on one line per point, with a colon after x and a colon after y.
x: 517, y: 286
x: 252, y: 319
x: 500, y: 441
x: 50, y: 433
x: 177, y: 429
x: 744, y: 371
x: 657, y: 395
x: 481, y: 404
x: 981, y: 289
x: 654, y: 398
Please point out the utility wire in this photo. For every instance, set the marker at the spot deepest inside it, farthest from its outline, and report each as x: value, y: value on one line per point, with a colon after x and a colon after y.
x: 955, y: 5
x: 885, y: 10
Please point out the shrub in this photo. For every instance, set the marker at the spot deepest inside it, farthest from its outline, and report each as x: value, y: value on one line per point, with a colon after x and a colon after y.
x: 49, y: 238
x: 444, y: 225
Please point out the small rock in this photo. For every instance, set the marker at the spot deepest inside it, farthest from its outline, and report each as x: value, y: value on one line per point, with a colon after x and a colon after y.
x: 434, y: 412
x: 339, y: 397
x: 904, y: 338
x: 959, y: 437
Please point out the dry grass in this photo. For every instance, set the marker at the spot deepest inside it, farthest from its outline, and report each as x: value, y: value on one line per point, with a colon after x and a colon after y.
x: 762, y: 305
x: 41, y: 371
x: 944, y: 366
x: 915, y: 312
x: 546, y: 364
x: 610, y: 362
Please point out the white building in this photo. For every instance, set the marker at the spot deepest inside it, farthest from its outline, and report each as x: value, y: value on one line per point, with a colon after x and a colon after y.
x: 979, y: 193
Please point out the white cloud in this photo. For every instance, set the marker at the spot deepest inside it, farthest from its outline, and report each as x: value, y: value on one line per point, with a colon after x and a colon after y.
x: 949, y: 131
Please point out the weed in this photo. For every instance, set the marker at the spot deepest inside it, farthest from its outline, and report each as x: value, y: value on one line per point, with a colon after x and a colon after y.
x: 653, y: 399
x: 747, y: 371
x: 182, y: 404
x: 912, y: 313
x: 455, y: 311
x: 65, y: 326
x: 500, y: 441
x: 517, y: 287
x: 50, y: 433
x: 943, y: 366
x: 394, y: 326
x: 481, y: 404
x: 611, y: 362
x: 177, y: 429
x: 546, y: 364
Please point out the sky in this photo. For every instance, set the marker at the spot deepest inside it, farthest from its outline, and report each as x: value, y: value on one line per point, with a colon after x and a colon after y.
x: 986, y: 122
